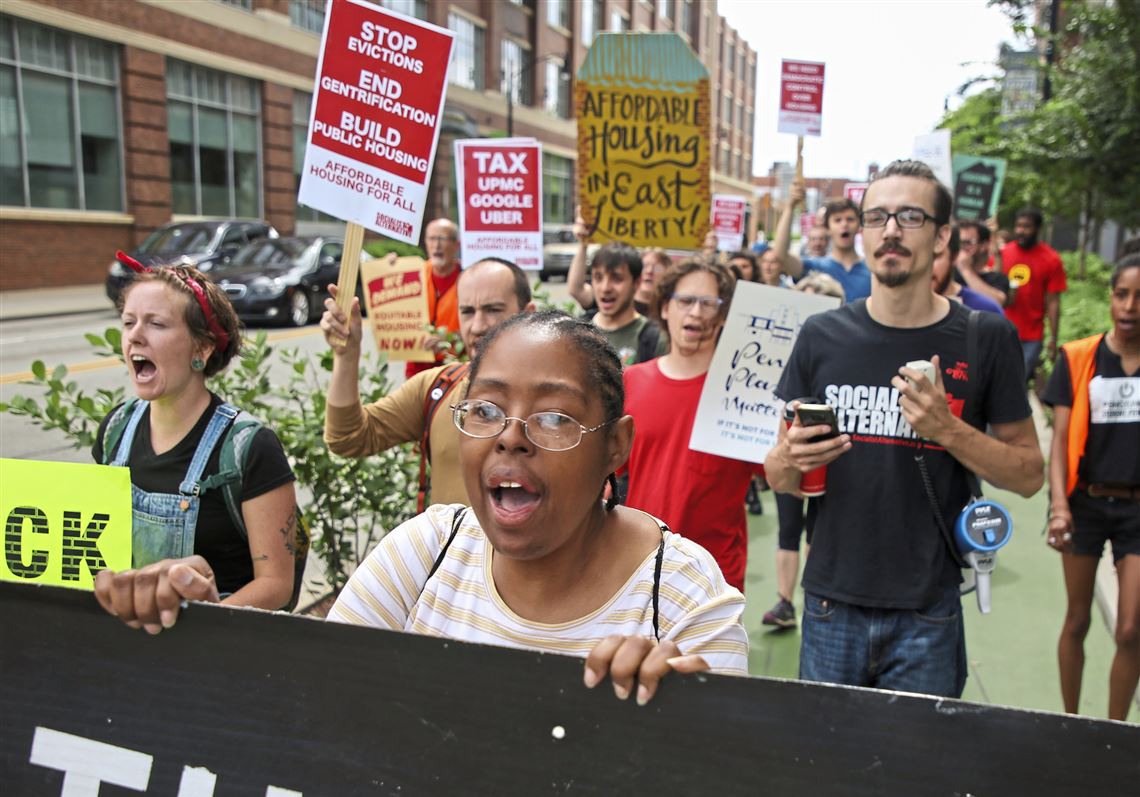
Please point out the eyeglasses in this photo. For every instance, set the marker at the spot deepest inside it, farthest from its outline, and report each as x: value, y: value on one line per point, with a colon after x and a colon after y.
x: 707, y: 303
x: 967, y: 244
x: 551, y: 431
x: 907, y: 218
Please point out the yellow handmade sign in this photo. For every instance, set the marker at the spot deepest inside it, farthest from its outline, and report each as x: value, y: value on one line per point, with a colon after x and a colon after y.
x: 642, y: 101
x: 64, y: 522
x: 398, y: 306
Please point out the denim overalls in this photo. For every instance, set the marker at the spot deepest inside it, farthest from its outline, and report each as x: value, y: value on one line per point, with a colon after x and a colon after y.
x: 164, y: 523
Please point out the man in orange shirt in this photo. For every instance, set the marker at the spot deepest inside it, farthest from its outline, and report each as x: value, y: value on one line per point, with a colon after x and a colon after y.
x: 441, y: 242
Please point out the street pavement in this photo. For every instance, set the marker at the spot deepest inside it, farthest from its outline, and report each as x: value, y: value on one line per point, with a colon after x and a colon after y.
x: 1011, y: 651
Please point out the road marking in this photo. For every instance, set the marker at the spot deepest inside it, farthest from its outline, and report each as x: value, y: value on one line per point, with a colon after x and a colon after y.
x: 111, y: 362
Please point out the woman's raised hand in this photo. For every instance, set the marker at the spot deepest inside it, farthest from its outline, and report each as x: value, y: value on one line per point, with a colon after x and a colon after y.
x: 637, y: 660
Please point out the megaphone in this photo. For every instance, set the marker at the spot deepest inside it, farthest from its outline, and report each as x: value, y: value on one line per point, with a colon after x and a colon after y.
x: 983, y: 527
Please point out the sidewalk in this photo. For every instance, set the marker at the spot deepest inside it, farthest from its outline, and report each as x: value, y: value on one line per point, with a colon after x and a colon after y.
x: 47, y: 302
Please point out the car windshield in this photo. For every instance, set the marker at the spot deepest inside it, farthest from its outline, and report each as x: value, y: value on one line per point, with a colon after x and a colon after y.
x: 279, y: 252
x: 178, y: 239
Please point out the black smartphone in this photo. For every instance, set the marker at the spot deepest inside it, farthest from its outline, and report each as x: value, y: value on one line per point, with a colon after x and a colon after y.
x: 819, y: 415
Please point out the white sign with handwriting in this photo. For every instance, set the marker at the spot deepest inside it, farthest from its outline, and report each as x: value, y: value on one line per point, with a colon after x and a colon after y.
x: 739, y: 414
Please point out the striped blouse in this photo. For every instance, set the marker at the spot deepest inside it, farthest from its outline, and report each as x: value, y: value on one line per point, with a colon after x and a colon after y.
x: 698, y: 610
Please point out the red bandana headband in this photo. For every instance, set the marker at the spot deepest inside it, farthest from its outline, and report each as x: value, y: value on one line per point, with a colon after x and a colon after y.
x: 221, y: 339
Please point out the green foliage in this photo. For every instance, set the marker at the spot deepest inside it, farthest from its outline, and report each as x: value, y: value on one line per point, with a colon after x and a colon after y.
x: 1080, y: 151
x: 349, y: 503
x: 1085, y: 305
x: 540, y: 294
x: 382, y: 246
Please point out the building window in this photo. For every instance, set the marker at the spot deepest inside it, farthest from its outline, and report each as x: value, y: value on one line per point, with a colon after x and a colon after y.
x: 214, y: 123
x: 593, y: 15
x: 665, y: 9
x: 302, y: 105
x: 243, y: 4
x: 743, y: 63
x: 557, y: 189
x: 619, y: 22
x: 726, y: 111
x: 60, y: 135
x: 723, y: 167
x: 467, y: 62
x: 685, y: 23
x: 516, y: 78
x: 558, y: 13
x: 556, y: 97
x: 409, y: 8
x: 307, y: 14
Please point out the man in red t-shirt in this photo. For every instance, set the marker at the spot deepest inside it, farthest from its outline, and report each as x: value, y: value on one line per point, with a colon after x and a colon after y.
x: 1036, y: 272
x: 441, y: 242
x: 698, y: 495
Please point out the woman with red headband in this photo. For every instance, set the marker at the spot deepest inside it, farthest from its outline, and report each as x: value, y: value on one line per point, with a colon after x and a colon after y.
x: 178, y: 329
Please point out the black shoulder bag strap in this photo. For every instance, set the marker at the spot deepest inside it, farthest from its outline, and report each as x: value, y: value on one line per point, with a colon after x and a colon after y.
x: 975, y: 373
x: 456, y: 520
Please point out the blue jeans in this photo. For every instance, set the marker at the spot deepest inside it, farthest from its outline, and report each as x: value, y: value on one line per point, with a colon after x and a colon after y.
x: 904, y: 650
x: 1031, y: 353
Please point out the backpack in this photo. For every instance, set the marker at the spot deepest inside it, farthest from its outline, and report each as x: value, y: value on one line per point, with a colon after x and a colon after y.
x: 444, y: 382
x: 231, y: 465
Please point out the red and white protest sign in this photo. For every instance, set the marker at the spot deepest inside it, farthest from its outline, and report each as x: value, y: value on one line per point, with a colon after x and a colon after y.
x: 377, y: 107
x: 854, y: 192
x: 728, y: 221
x: 500, y: 200
x: 807, y: 221
x: 801, y: 98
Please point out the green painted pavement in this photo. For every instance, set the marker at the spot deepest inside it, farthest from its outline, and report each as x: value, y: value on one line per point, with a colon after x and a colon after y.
x: 1012, y: 650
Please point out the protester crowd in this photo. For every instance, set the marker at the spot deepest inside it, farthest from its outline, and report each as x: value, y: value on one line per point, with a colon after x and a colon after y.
x: 562, y: 508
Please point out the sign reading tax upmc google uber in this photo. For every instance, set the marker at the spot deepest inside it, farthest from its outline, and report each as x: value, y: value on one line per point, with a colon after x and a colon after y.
x: 801, y: 98
x: 374, y: 126
x: 500, y: 196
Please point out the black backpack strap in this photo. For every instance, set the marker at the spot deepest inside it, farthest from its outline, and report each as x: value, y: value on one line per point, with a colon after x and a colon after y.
x: 657, y: 584
x: 456, y: 520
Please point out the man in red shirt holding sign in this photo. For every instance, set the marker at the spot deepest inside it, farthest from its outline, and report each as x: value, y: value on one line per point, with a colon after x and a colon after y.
x: 1034, y: 268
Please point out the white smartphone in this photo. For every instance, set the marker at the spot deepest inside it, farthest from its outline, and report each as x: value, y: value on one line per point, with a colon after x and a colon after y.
x: 924, y: 367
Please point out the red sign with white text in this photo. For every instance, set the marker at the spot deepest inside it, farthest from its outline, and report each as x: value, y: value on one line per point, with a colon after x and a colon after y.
x: 376, y: 115
x: 728, y: 221
x: 801, y: 98
x: 854, y: 192
x: 500, y: 197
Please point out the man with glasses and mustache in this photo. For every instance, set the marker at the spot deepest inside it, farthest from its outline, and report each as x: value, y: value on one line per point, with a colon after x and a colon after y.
x: 698, y: 495
x: 441, y: 242
x: 882, y: 605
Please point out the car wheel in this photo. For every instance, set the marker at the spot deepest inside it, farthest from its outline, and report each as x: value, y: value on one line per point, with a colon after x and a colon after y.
x: 299, y: 309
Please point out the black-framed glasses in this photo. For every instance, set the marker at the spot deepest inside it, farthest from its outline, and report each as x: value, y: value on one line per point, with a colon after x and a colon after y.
x: 552, y: 431
x: 907, y: 218
x: 707, y: 303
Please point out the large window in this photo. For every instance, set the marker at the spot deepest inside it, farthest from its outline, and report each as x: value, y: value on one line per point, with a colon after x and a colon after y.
x: 558, y: 13
x: 557, y: 92
x: 619, y: 21
x: 685, y: 23
x: 467, y: 62
x: 411, y: 8
x: 593, y: 15
x: 59, y: 120
x: 665, y: 9
x: 302, y: 103
x: 516, y: 77
x: 214, y: 122
x: 557, y: 189
x: 308, y: 14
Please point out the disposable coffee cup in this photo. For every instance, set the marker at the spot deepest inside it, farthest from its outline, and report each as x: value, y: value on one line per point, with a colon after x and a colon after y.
x: 813, y: 483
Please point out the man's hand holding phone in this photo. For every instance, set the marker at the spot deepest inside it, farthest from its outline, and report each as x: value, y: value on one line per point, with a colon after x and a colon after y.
x: 922, y: 398
x: 813, y: 439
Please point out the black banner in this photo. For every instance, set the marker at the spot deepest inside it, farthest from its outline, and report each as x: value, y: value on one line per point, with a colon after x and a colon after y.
x: 243, y: 702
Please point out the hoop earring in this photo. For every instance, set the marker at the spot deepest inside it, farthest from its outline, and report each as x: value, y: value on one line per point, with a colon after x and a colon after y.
x: 612, y: 501
x: 198, y: 364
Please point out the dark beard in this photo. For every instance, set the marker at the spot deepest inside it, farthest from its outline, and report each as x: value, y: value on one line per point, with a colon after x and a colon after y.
x: 1028, y: 242
x: 894, y: 279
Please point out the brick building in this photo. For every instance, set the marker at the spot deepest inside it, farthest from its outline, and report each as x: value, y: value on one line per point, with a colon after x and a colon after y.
x: 117, y: 116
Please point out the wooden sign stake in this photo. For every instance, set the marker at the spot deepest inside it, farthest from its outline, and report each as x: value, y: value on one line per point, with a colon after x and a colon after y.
x: 349, y: 269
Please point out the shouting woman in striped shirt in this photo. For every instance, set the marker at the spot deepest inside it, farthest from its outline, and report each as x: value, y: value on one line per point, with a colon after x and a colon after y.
x: 542, y: 560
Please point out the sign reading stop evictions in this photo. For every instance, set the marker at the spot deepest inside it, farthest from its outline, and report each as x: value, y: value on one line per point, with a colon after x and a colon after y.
x: 374, y: 126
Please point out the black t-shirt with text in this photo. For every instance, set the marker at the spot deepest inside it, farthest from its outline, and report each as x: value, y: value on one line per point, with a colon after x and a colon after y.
x: 876, y: 540
x: 216, y: 538
x: 1111, y: 450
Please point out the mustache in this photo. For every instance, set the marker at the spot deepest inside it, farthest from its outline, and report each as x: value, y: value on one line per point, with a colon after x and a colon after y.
x: 892, y: 248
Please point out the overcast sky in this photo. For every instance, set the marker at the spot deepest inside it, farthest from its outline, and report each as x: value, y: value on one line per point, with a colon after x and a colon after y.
x: 890, y: 66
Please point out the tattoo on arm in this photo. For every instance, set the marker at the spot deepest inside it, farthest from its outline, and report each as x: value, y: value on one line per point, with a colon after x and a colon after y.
x: 289, y: 531
x: 261, y: 558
